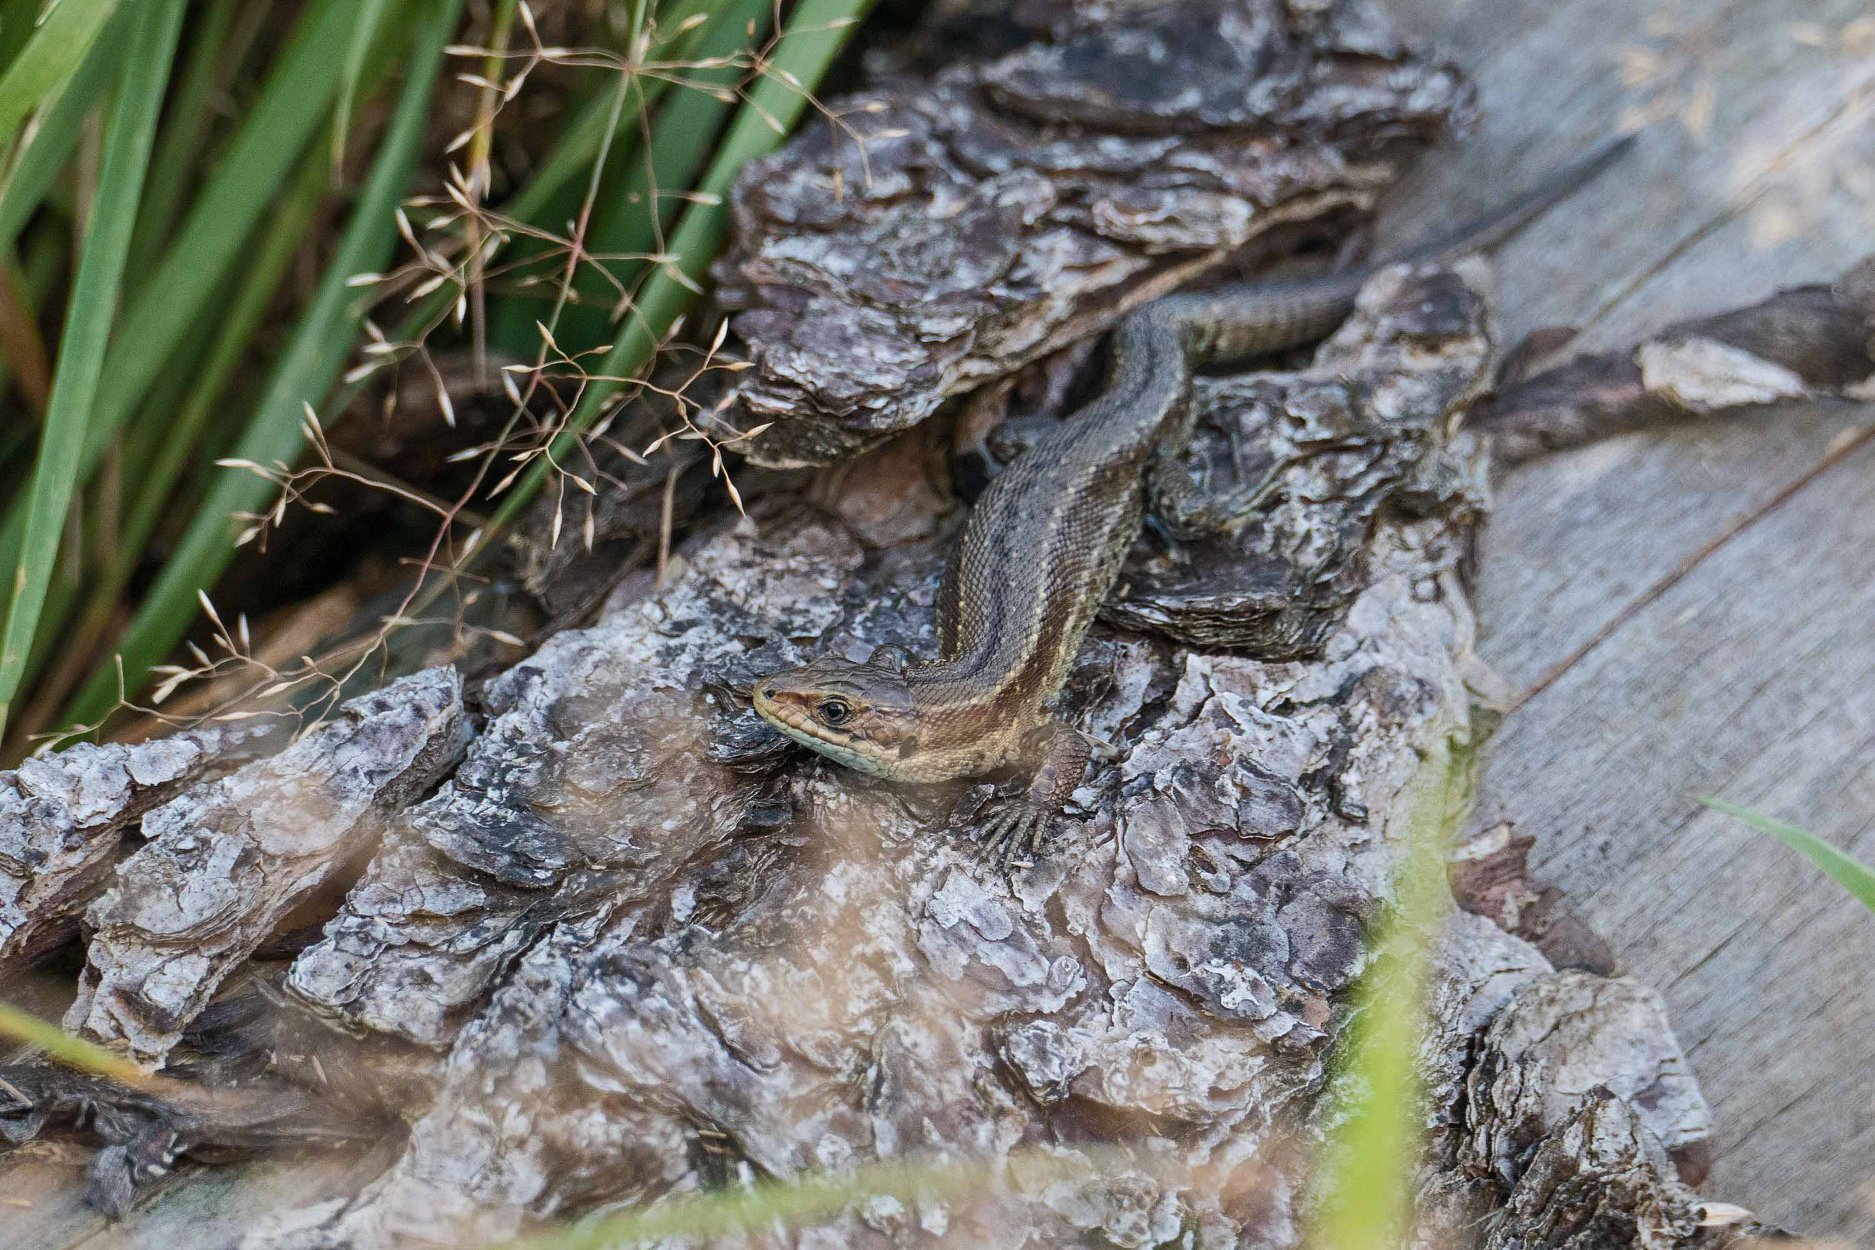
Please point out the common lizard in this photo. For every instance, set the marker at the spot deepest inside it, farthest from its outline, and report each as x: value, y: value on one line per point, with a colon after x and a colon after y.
x: 1044, y: 545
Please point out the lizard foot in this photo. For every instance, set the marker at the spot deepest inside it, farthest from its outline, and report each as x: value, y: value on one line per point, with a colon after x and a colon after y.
x: 1013, y: 831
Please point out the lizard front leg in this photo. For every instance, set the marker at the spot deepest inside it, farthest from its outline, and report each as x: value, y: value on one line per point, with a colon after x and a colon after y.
x: 1058, y: 755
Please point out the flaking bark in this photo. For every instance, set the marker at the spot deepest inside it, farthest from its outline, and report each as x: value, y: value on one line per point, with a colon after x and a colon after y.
x: 1802, y: 342
x: 945, y: 233
x: 227, y: 862
x: 1158, y: 998
x: 62, y: 818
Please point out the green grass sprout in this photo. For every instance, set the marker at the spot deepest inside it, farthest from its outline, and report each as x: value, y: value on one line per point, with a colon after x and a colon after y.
x: 1848, y: 872
x: 73, y: 1052
x: 307, y: 369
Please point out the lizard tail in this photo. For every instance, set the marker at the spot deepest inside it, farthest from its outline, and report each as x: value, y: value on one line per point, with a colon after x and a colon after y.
x: 1236, y: 323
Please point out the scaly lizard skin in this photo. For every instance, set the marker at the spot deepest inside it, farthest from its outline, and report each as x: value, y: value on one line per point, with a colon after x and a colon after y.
x: 1042, y: 548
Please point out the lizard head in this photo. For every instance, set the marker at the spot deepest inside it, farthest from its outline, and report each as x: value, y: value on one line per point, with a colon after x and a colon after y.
x: 859, y: 714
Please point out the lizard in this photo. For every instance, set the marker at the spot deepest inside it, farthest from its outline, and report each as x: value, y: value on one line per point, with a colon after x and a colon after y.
x: 1044, y: 544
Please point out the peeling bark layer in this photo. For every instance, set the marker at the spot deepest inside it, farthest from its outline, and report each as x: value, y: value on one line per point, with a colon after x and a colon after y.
x: 228, y: 861
x: 688, y: 956
x: 947, y: 232
x: 62, y: 818
x: 644, y: 949
x: 595, y: 783
x: 1803, y: 342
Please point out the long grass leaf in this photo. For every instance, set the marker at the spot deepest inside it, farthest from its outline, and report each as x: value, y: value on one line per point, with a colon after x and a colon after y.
x: 48, y: 60
x: 540, y: 202
x: 16, y: 27
x: 1374, y: 1144
x: 547, y: 197
x: 815, y: 34
x: 244, y: 187
x: 798, y: 1202
x: 73, y: 1052
x: 130, y: 136
x: 57, y: 132
x: 306, y: 370
x: 639, y: 207
x: 543, y: 199
x: 177, y: 143
x: 151, y: 492
x: 1848, y: 872
x: 578, y: 141
x: 626, y: 206
x: 369, y: 19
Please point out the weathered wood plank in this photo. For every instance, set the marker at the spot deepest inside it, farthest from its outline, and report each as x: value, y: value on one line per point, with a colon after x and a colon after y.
x: 1690, y: 612
x: 1695, y: 673
x: 1752, y: 677
x: 1806, y: 220
x: 1588, y: 539
x: 1577, y: 541
x: 1739, y: 91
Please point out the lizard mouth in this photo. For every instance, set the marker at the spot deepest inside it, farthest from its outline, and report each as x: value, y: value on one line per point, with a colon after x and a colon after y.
x: 789, y: 717
x: 773, y: 711
x: 794, y: 720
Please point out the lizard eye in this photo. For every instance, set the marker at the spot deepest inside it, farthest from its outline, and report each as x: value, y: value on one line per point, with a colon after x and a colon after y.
x: 835, y: 712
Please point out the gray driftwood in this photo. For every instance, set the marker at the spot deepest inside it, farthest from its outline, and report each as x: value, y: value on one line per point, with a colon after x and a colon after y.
x: 847, y: 980
x: 1799, y: 344
x: 1698, y: 596
x: 832, y: 976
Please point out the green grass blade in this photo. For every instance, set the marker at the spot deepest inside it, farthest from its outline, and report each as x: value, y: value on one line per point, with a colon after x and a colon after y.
x: 151, y: 493
x: 312, y: 360
x: 542, y: 201
x: 177, y: 144
x: 16, y: 27
x: 1848, y: 872
x: 548, y: 196
x: 48, y: 60
x: 737, y: 1212
x: 1367, y: 1167
x: 131, y: 134
x: 57, y: 133
x: 578, y: 144
x: 73, y: 1052
x: 681, y: 139
x: 815, y: 34
x: 245, y: 186
x: 635, y: 212
x: 367, y: 29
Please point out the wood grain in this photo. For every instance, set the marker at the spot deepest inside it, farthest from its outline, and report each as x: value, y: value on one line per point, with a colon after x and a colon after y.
x: 1690, y: 612
x: 42, y: 1203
